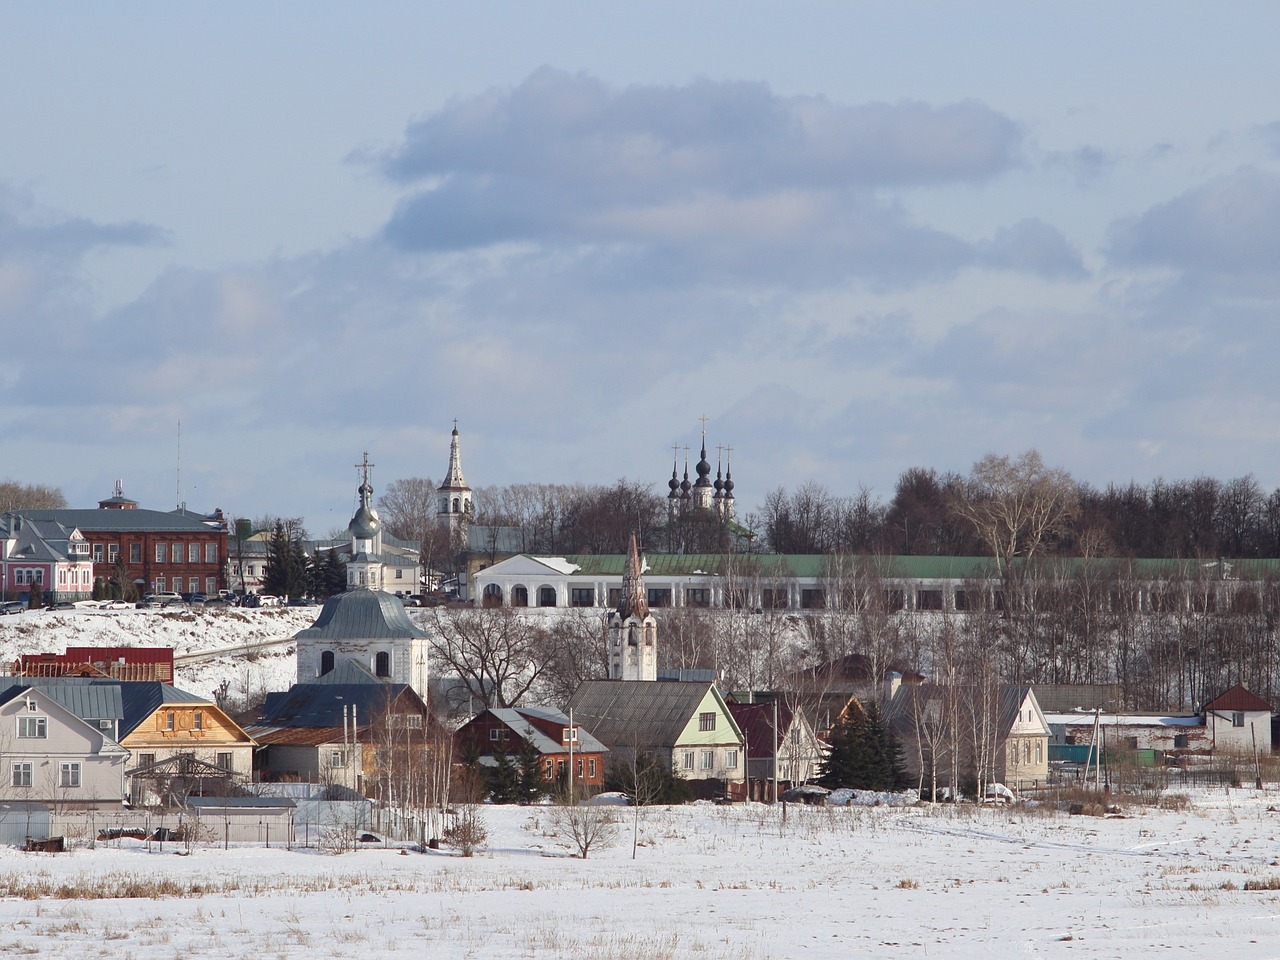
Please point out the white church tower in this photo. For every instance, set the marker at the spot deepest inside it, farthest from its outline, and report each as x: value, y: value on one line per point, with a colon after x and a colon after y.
x: 453, y: 497
x: 633, y: 632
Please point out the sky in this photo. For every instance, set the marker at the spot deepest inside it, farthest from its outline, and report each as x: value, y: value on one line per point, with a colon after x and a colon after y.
x: 857, y: 238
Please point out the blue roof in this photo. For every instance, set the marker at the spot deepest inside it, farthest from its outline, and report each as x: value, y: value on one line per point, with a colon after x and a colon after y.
x: 361, y: 615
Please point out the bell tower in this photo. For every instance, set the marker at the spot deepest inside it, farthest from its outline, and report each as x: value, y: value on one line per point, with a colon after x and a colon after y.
x: 633, y: 632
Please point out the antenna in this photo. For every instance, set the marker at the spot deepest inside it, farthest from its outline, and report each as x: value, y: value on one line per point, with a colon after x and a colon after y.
x: 178, y: 484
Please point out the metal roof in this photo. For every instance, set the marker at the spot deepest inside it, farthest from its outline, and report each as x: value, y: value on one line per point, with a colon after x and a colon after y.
x: 361, y: 615
x: 120, y: 520
x: 517, y: 718
x: 643, y: 713
x: 820, y: 566
x: 321, y: 704
x: 142, y: 698
x: 87, y: 698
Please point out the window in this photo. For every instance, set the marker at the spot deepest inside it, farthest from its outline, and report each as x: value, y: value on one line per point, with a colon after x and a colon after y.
x: 708, y: 760
x: 399, y: 574
x: 170, y: 720
x: 706, y: 721
x: 659, y: 597
x: 146, y: 759
x: 894, y: 600
x: 568, y: 734
x: 731, y: 759
x: 737, y: 599
x: 197, y: 721
x: 1039, y: 752
x: 177, y: 584
x: 497, y: 733
x: 813, y: 600
x: 210, y: 553
x: 1237, y: 719
x: 161, y: 585
x: 113, y: 552
x: 193, y: 553
x: 326, y: 662
x: 69, y: 775
x: 772, y: 598
x: 546, y: 596
x: 579, y: 768
x: 135, y: 553
x: 615, y: 597
x: 962, y: 599
x: 22, y: 774
x: 1180, y: 741
x: 519, y: 596
x: 697, y: 597
x: 591, y: 768
x: 686, y: 760
x: 382, y: 664
x: 337, y: 759
x: 928, y: 599
x: 210, y: 585
x: 582, y: 597
x: 33, y: 728
x: 97, y: 553
x: 162, y: 552
x: 223, y: 761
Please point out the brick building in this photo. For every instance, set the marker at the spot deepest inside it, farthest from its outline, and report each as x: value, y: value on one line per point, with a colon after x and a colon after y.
x: 179, y: 551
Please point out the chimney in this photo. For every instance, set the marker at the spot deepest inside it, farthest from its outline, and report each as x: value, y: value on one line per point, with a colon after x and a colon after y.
x: 892, y: 681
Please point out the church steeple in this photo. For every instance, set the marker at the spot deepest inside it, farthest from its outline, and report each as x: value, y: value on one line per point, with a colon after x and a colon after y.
x: 633, y: 631
x: 453, y: 497
x: 364, y: 569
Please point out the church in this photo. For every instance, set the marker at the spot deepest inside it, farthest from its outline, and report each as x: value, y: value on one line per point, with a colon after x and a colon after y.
x: 365, y: 624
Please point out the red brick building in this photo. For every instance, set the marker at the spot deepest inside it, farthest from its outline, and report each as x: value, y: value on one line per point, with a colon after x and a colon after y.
x: 179, y: 551
x: 508, y: 731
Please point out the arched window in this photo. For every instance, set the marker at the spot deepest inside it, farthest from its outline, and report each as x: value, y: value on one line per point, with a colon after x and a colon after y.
x: 492, y: 595
x: 519, y: 596
x: 382, y: 664
x: 326, y: 662
x: 455, y: 504
x: 546, y: 596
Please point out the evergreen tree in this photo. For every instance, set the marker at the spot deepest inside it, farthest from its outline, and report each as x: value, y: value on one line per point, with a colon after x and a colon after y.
x: 864, y: 754
x: 326, y: 574
x: 646, y: 781
x: 285, y: 573
x: 502, y: 780
x: 531, y: 787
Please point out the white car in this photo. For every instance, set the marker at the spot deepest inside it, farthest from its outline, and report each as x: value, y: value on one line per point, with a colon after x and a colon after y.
x: 115, y: 605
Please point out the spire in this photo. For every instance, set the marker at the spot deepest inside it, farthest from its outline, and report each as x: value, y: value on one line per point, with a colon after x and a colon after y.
x: 453, y: 477
x: 365, y: 523
x: 674, y: 484
x: 719, y: 484
x: 633, y: 602
x: 685, y: 484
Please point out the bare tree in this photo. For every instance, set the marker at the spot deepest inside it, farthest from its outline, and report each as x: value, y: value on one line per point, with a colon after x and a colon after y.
x: 1016, y: 506
x: 586, y: 825
x: 497, y: 652
x: 408, y: 508
x: 30, y: 496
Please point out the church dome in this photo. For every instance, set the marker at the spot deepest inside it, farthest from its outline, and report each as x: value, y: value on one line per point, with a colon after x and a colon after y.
x: 364, y: 525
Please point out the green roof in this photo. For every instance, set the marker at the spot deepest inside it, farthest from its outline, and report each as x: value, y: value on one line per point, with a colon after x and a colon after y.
x: 906, y: 567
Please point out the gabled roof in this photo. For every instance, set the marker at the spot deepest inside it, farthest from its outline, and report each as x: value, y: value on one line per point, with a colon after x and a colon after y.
x: 361, y: 615
x: 910, y: 698
x: 1238, y: 698
x: 143, y: 698
x: 757, y: 723
x: 53, y: 707
x: 519, y: 720
x: 645, y: 714
x: 87, y: 698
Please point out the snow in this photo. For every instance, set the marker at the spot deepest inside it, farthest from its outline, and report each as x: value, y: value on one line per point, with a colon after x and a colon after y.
x: 715, y: 882
x: 877, y: 878
x: 209, y: 645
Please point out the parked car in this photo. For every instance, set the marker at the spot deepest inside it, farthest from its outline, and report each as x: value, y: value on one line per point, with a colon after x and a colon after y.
x: 61, y: 605
x: 161, y: 599
x: 115, y: 605
x: 12, y: 606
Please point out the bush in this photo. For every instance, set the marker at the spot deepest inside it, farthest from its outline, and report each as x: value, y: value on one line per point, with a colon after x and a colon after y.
x: 467, y: 832
x: 585, y: 826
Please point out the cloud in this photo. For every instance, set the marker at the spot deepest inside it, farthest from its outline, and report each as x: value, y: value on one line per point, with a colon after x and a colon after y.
x: 1033, y: 246
x: 1224, y: 232
x: 719, y: 179
x: 30, y: 233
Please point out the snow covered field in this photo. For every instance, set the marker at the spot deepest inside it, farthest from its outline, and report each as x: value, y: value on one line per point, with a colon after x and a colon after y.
x: 711, y: 882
